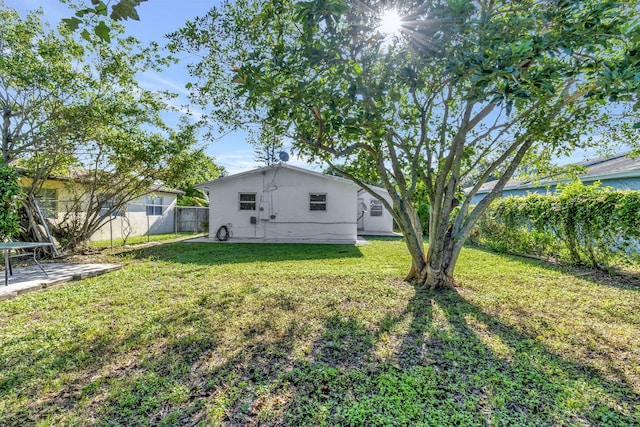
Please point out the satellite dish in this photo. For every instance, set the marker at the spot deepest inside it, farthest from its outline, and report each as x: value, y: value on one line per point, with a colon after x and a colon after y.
x: 284, y: 156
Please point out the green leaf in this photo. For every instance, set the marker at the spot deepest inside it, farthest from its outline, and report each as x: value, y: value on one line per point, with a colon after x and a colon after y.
x: 101, y: 9
x: 72, y: 23
x: 102, y: 31
x: 636, y: 125
x: 85, y: 35
x: 126, y: 9
x: 83, y: 12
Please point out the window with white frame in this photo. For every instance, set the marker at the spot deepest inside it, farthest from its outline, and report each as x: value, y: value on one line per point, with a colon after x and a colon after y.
x: 376, y: 207
x: 317, y: 202
x: 154, y: 205
x: 48, y: 202
x: 247, y: 201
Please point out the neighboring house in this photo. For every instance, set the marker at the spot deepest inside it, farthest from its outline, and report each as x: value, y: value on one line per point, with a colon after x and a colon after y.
x: 620, y: 172
x: 283, y: 203
x: 154, y: 213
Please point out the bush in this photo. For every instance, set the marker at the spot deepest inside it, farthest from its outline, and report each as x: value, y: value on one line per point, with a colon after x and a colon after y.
x: 581, y: 224
x: 9, y: 202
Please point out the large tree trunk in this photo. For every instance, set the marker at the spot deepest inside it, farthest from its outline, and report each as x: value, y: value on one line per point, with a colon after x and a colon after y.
x: 435, y: 270
x: 442, y: 263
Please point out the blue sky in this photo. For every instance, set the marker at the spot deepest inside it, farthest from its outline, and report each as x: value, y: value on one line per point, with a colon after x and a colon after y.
x: 157, y: 18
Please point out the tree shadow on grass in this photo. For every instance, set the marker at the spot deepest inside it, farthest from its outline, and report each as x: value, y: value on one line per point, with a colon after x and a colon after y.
x: 456, y: 365
x: 439, y: 361
x: 116, y: 373
x: 513, y: 379
x: 238, y: 253
x: 452, y: 365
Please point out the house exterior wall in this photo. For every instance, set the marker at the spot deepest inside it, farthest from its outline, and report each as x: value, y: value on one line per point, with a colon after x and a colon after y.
x: 368, y: 222
x: 282, y: 207
x: 134, y: 222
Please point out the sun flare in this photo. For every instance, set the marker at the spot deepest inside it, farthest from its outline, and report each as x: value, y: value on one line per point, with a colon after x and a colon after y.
x: 390, y: 23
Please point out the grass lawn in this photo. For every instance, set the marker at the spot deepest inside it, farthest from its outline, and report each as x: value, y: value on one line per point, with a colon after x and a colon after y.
x: 233, y: 334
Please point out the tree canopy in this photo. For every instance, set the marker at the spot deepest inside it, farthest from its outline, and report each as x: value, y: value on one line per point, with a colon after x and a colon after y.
x: 75, y: 109
x: 465, y: 88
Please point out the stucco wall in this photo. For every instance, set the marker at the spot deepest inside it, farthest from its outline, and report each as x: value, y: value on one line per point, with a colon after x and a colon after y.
x: 370, y: 223
x: 134, y: 223
x: 282, y: 207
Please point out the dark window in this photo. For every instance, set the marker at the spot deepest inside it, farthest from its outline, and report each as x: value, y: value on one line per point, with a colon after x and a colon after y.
x: 154, y: 206
x: 376, y: 207
x: 109, y: 204
x: 317, y: 202
x: 247, y: 201
x: 48, y: 202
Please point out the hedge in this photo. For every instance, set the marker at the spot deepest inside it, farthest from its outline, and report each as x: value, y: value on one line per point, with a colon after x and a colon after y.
x: 590, y: 225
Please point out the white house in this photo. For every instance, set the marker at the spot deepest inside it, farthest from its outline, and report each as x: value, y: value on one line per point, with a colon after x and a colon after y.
x: 284, y: 203
x: 154, y: 213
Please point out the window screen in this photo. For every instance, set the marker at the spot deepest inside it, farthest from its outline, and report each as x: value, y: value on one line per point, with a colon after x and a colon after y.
x: 247, y: 201
x: 317, y: 202
x: 376, y: 207
x: 108, y: 205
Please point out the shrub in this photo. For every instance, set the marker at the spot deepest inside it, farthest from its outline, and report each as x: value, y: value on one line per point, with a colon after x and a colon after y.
x: 9, y: 202
x: 591, y: 225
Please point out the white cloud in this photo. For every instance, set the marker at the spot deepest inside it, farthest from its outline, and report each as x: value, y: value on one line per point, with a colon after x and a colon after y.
x: 185, y: 109
x: 153, y: 81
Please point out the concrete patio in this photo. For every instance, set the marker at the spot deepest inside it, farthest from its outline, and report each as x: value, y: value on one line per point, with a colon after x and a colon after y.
x: 31, y: 279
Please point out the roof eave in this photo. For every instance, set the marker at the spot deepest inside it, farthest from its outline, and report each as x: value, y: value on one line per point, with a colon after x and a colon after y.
x: 207, y: 185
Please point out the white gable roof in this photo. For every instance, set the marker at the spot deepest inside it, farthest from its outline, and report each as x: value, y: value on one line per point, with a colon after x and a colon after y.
x: 226, y: 179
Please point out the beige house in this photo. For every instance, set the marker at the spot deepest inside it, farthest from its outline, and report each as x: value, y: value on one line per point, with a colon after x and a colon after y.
x: 153, y: 213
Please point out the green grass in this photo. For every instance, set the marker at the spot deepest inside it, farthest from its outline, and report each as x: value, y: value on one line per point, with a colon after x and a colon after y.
x: 233, y: 334
x: 136, y: 240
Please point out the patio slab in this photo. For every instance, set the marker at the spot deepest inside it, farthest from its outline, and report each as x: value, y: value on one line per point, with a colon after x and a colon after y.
x: 31, y: 278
